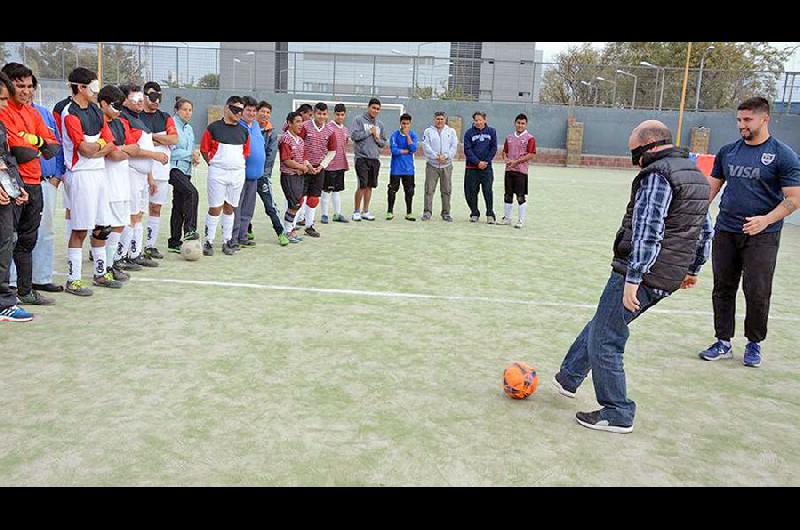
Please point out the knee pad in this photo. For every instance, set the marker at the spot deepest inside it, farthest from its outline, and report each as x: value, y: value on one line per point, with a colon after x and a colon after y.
x: 101, y: 232
x: 508, y: 199
x: 521, y: 199
x: 312, y: 202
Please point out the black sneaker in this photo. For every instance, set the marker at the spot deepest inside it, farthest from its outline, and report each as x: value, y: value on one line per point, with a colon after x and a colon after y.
x: 447, y: 218
x: 48, y: 287
x: 191, y: 236
x: 126, y: 264
x: 312, y: 232
x: 208, y: 249
x: 247, y: 243
x: 153, y: 253
x: 34, y: 298
x: 563, y: 389
x: 229, y: 248
x: 174, y: 250
x: 592, y: 420
x: 145, y: 261
x: 119, y: 274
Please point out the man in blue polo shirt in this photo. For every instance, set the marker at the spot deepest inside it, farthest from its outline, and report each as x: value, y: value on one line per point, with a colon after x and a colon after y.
x: 763, y: 187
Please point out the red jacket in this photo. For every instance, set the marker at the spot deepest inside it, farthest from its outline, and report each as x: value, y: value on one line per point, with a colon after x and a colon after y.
x: 25, y: 118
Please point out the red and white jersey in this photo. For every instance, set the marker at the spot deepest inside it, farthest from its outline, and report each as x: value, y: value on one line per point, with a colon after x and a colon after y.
x: 118, y: 186
x: 83, y: 125
x: 291, y: 147
x: 225, y: 146
x: 160, y: 123
x: 517, y: 146
x: 342, y: 134
x: 141, y: 133
x: 318, y: 141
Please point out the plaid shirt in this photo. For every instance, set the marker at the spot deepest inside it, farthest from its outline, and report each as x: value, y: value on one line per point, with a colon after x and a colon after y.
x: 650, y: 208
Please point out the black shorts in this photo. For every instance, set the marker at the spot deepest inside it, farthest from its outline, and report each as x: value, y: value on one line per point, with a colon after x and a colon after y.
x: 367, y: 171
x: 516, y: 183
x: 293, y: 187
x: 314, y: 184
x: 334, y: 180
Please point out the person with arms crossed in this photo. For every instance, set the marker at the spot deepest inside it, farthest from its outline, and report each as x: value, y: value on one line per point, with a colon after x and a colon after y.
x: 403, y: 144
x: 480, y: 146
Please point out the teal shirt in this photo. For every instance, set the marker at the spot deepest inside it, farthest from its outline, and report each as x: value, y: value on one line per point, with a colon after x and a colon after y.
x: 181, y: 155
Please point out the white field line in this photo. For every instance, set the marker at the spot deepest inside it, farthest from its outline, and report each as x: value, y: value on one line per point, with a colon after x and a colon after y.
x: 420, y: 296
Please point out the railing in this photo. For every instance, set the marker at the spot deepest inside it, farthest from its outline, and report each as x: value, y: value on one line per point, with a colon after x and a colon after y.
x: 402, y: 76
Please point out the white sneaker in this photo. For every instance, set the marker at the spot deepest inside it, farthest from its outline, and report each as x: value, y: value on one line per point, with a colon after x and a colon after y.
x: 519, y: 225
x: 368, y: 216
x: 504, y: 221
x: 356, y: 216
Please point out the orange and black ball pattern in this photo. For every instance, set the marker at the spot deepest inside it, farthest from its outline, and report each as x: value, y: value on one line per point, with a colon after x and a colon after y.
x: 520, y: 380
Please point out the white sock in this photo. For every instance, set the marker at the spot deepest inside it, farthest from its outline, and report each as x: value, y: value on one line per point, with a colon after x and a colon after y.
x: 522, y: 208
x: 138, y: 240
x: 326, y: 196
x: 507, y: 209
x: 153, y: 223
x: 124, y: 243
x: 211, y: 227
x: 288, y: 227
x: 74, y: 258
x: 227, y: 227
x: 337, y: 203
x: 311, y: 213
x: 112, y: 245
x: 726, y: 343
x: 99, y: 255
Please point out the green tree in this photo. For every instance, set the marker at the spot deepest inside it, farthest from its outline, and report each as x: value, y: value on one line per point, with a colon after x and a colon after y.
x: 208, y: 81
x: 563, y: 81
x: 121, y: 65
x: 3, y: 53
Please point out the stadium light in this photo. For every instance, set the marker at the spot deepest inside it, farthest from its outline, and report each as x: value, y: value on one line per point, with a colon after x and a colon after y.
x: 635, y: 79
x: 663, y: 72
x: 614, y: 93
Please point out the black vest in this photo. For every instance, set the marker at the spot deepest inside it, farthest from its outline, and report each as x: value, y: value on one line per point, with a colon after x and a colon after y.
x: 682, y: 225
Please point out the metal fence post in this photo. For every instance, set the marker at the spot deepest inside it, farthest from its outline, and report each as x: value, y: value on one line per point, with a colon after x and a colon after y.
x: 374, y: 63
x: 333, y: 84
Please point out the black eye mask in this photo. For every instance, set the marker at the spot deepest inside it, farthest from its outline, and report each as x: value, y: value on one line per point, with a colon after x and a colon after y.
x: 636, y: 154
x: 154, y: 96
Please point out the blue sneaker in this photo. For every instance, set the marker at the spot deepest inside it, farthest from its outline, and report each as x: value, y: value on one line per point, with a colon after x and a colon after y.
x: 15, y: 314
x: 717, y: 351
x: 324, y: 219
x: 752, y: 355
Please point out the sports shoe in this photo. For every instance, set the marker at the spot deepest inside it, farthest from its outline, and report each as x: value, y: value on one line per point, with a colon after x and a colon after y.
x: 192, y: 236
x: 106, y: 280
x: 229, y: 248
x: 247, y: 243
x: 339, y: 218
x: 592, y: 420
x: 294, y: 238
x: 15, y: 314
x: 119, y: 275
x: 250, y: 235
x: 208, y: 249
x: 491, y: 219
x: 34, y: 298
x: 389, y: 216
x: 48, y: 287
x: 283, y: 239
x: 174, y: 250
x: 356, y: 216
x: 145, y: 261
x: 78, y: 288
x: 324, y: 219
x: 717, y: 351
x: 312, y: 232
x: 519, y: 225
x: 472, y: 218
x: 153, y: 253
x: 301, y: 222
x: 126, y: 264
x: 447, y: 218
x: 752, y: 355
x: 425, y: 217
x: 504, y: 221
x: 368, y: 216
x: 410, y: 217
x: 562, y: 389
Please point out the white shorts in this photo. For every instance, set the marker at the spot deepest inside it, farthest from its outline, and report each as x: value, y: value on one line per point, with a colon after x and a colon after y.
x: 224, y: 185
x: 161, y: 195
x: 119, y: 213
x: 140, y: 192
x: 65, y: 188
x: 88, y: 199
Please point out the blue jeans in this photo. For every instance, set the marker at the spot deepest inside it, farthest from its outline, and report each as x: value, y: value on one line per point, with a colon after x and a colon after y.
x: 264, y: 191
x: 600, y: 348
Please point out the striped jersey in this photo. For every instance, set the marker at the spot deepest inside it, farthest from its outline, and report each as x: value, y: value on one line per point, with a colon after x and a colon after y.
x: 318, y: 141
x: 83, y: 125
x: 342, y: 134
x: 517, y: 146
x: 291, y: 147
x: 226, y: 146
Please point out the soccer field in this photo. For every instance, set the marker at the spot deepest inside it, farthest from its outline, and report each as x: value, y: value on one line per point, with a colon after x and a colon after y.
x: 374, y: 355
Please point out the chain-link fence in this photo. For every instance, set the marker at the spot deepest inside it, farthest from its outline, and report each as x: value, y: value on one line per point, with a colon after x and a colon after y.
x: 403, y: 76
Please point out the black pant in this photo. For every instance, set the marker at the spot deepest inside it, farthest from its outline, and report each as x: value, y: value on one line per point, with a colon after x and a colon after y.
x: 30, y: 216
x: 751, y: 258
x: 9, y: 214
x: 408, y: 189
x: 473, y: 180
x: 185, y: 198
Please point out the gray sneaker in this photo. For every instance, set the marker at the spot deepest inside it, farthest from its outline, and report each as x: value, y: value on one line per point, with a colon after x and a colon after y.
x: 446, y: 217
x: 425, y: 217
x: 119, y: 274
x: 78, y: 288
x: 126, y: 264
x: 491, y: 219
x: 208, y: 249
x: 34, y: 298
x: 106, y: 280
x: 229, y: 248
x: 472, y: 218
x: 145, y: 261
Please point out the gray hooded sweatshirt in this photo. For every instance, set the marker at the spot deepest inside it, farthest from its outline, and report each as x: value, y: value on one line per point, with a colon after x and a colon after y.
x: 361, y: 133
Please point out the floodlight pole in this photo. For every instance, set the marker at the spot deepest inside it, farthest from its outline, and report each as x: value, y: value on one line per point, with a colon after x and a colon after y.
x: 683, y: 94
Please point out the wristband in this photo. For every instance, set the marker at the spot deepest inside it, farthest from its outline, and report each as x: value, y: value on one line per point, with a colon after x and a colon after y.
x: 101, y: 143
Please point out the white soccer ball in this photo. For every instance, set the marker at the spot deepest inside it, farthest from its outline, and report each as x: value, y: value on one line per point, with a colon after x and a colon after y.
x: 192, y: 250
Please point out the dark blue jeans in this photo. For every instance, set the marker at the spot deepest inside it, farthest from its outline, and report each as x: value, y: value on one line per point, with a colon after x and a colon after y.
x: 476, y: 180
x: 264, y: 191
x: 600, y: 348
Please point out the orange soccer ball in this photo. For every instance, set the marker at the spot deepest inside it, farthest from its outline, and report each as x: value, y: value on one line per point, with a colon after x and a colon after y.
x: 520, y: 380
